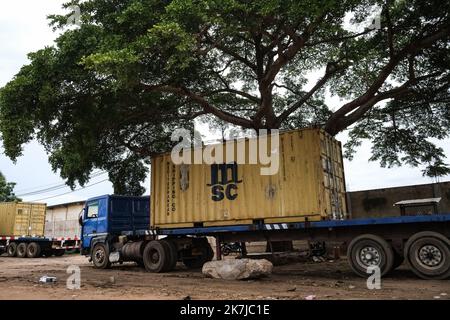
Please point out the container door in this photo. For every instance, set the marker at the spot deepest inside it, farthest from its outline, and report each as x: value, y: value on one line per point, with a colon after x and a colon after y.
x: 22, y: 220
x: 37, y: 220
x: 90, y: 223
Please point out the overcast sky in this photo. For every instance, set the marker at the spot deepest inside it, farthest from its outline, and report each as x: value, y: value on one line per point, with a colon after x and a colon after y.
x: 24, y: 28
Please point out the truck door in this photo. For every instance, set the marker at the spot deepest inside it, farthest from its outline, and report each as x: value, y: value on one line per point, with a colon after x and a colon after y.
x: 90, y: 223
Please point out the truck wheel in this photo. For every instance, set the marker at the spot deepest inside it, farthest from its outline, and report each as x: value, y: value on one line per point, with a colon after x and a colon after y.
x: 100, y: 256
x: 206, y: 255
x: 11, y: 249
x: 22, y: 250
x: 33, y: 250
x: 369, y: 250
x: 156, y: 256
x: 173, y: 253
x: 428, y: 254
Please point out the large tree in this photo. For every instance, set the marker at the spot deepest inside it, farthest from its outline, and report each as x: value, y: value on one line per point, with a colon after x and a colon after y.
x: 7, y: 190
x: 110, y: 92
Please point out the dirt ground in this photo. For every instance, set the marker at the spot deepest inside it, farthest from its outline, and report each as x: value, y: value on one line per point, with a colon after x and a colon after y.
x: 19, y: 279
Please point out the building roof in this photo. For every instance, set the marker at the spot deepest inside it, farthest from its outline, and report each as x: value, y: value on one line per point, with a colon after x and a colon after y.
x: 66, y: 204
x: 417, y: 201
x: 401, y: 187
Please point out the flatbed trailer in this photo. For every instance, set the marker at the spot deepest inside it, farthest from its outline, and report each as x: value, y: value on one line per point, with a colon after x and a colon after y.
x: 33, y: 247
x: 423, y: 241
x: 368, y: 241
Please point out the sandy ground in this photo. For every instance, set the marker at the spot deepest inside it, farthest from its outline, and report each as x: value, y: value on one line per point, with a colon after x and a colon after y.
x: 19, y: 279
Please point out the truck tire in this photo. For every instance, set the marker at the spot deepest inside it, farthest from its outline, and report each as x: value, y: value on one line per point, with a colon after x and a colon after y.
x: 428, y: 255
x: 33, y: 250
x: 156, y: 256
x: 11, y: 249
x: 22, y: 250
x: 206, y: 255
x: 173, y: 253
x: 100, y: 256
x: 369, y: 250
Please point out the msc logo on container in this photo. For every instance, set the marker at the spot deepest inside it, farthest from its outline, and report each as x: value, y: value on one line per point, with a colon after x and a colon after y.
x: 224, y: 180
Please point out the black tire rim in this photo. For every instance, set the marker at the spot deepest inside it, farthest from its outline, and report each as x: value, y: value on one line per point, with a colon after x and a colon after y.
x: 21, y: 250
x: 369, y: 256
x: 154, y: 256
x: 430, y: 256
x: 99, y: 256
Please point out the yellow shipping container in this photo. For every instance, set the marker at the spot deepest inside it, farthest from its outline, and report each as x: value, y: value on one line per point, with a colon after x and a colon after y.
x: 22, y: 219
x: 309, y: 184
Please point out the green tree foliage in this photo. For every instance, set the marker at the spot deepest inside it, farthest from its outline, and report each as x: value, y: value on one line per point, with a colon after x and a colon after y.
x: 7, y: 190
x: 109, y: 93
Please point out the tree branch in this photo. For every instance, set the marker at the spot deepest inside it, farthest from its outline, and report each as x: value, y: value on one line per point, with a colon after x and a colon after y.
x: 265, y: 84
x: 183, y: 92
x: 339, y: 39
x: 390, y: 33
x: 287, y: 88
x: 333, y: 125
x: 294, y: 106
x: 238, y: 92
x: 353, y: 117
x: 217, y: 44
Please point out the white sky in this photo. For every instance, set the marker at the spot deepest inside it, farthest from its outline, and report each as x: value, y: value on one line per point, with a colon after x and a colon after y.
x: 24, y: 28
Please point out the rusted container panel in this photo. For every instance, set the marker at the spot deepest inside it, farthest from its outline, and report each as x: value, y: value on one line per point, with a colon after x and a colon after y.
x: 308, y: 185
x: 61, y: 221
x: 22, y: 219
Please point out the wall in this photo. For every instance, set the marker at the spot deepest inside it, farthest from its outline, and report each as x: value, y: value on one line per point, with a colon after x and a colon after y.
x: 379, y: 202
x: 62, y: 220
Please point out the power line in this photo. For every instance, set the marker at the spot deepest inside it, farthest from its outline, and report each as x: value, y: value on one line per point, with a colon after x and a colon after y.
x: 52, y: 185
x: 47, y: 190
x: 61, y: 194
x: 56, y: 187
x: 38, y: 187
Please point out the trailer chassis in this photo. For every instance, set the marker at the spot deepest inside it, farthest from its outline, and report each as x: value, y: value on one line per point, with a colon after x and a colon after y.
x: 423, y: 241
x: 33, y: 247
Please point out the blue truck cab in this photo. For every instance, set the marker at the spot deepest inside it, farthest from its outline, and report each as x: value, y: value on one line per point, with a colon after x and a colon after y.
x: 117, y: 229
x: 109, y: 216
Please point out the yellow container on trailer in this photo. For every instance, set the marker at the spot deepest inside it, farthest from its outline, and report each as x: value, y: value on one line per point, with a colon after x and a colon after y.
x: 22, y: 219
x: 309, y: 185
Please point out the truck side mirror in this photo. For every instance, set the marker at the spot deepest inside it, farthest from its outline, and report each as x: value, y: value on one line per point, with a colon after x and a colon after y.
x: 80, y: 218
